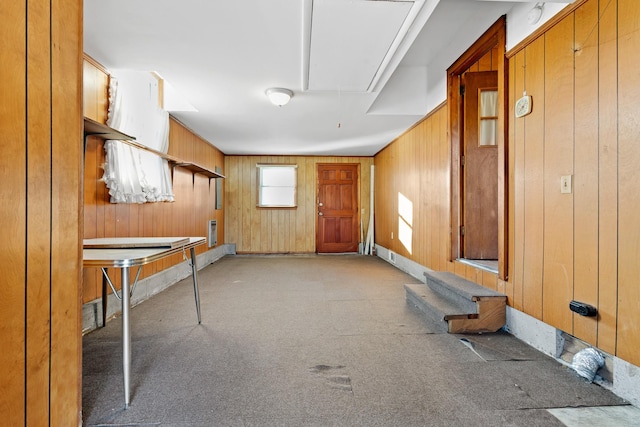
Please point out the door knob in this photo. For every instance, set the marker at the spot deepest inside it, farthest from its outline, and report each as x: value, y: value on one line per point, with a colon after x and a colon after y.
x: 320, y: 204
x: 320, y: 213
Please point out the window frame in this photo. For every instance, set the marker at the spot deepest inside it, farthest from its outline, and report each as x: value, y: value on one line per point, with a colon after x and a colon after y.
x: 260, y: 168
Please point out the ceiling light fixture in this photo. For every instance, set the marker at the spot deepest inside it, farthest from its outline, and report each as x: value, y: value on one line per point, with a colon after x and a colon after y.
x: 534, y: 15
x: 279, y: 96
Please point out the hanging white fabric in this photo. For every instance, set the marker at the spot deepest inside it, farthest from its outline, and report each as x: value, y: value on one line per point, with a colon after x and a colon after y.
x: 133, y: 175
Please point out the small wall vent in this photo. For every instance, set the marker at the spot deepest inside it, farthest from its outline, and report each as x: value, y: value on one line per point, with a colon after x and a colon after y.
x: 392, y: 257
x: 213, y: 233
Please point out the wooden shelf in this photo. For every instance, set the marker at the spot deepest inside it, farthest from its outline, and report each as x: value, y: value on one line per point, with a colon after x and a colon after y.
x: 93, y: 128
x: 198, y: 169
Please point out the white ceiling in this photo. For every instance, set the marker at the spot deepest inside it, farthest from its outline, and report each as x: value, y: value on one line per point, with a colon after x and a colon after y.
x: 360, y: 70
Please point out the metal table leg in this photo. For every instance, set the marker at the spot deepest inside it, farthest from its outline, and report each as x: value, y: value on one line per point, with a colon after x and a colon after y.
x: 194, y: 273
x: 126, y: 334
x: 105, y: 296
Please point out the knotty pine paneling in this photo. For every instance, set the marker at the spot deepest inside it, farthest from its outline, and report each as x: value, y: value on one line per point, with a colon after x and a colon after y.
x: 40, y: 167
x: 188, y: 215
x: 272, y: 230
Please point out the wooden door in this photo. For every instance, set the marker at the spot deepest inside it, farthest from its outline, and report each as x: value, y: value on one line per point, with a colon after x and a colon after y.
x: 480, y: 166
x: 337, y: 214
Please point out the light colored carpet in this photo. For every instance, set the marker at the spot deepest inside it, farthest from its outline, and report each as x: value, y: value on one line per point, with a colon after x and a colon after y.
x: 315, y: 341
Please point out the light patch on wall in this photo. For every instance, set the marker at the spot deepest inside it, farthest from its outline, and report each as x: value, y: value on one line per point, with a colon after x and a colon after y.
x: 405, y: 222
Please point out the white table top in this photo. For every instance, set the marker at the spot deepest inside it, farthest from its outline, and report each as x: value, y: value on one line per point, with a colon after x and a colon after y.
x: 128, y: 255
x: 135, y: 242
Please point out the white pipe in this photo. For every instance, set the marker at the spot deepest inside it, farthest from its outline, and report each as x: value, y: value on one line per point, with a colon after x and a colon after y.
x: 369, y: 242
x: 371, y: 212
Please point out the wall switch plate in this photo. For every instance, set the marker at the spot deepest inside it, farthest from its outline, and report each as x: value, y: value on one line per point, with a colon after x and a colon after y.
x: 565, y: 184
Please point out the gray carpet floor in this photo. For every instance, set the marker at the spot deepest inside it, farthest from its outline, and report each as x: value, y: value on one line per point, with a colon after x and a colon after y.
x: 315, y: 341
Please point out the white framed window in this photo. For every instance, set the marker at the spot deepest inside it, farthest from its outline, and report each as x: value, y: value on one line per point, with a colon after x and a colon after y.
x: 488, y: 115
x: 277, y: 185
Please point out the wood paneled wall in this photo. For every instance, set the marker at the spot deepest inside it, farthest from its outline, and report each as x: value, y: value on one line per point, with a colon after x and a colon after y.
x: 188, y: 215
x: 489, y: 62
x: 41, y: 212
x: 416, y: 167
x: 263, y: 230
x: 582, y: 75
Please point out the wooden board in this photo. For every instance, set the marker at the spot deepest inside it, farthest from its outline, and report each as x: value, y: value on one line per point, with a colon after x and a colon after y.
x: 585, y: 283
x: 608, y: 178
x: 532, y: 187
x: 558, y: 156
x: 628, y: 339
x: 516, y: 181
x: 65, y: 364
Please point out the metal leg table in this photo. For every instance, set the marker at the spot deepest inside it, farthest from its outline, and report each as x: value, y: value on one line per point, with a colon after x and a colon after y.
x: 124, y: 253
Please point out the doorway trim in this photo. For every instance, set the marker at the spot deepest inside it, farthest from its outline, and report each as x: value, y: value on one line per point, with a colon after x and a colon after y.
x: 495, y: 36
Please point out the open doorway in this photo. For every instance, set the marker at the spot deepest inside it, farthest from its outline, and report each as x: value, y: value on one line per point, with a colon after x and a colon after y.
x: 477, y: 93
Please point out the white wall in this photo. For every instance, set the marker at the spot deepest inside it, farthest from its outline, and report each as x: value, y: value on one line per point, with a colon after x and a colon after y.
x: 518, y: 27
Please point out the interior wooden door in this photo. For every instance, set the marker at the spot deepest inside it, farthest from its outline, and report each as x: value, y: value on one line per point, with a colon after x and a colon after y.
x: 337, y: 229
x: 480, y: 167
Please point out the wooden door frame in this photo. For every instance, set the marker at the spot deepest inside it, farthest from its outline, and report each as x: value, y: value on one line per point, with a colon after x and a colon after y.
x: 495, y: 36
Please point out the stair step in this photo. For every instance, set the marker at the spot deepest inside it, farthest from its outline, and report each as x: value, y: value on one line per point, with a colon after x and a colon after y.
x: 438, y: 308
x: 459, y: 305
x: 457, y: 288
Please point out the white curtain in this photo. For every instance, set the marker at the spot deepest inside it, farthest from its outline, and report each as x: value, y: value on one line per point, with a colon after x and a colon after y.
x: 133, y: 175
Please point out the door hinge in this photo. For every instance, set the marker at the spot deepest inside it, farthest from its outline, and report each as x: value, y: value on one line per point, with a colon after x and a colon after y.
x: 462, y: 161
x: 462, y: 230
x: 462, y: 90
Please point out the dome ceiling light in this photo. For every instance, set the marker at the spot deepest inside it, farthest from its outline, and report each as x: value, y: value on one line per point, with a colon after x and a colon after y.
x: 279, y: 96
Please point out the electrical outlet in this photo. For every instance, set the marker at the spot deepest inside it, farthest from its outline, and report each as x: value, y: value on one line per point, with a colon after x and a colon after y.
x: 565, y: 184
x: 392, y: 235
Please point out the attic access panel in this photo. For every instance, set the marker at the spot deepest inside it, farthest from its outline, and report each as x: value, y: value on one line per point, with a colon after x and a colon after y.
x: 349, y: 41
